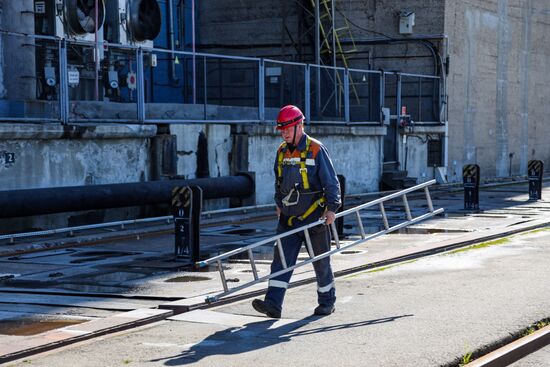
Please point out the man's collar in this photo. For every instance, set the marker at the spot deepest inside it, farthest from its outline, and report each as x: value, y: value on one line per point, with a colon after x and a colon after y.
x: 302, y: 144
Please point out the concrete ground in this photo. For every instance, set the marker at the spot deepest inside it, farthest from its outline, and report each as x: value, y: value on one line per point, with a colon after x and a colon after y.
x: 427, y: 312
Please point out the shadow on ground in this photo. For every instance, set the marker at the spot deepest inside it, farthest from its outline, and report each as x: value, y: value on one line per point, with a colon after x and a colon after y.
x: 257, y: 335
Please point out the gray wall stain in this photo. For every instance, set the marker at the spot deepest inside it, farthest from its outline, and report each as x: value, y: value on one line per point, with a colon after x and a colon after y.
x: 471, y: 72
x: 526, y: 12
x: 503, y: 50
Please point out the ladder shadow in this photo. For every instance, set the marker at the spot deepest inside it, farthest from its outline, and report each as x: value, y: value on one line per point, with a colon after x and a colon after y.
x: 258, y: 335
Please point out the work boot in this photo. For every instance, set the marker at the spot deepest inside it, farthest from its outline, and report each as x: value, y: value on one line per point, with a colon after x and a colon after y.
x: 266, y: 308
x: 323, y: 310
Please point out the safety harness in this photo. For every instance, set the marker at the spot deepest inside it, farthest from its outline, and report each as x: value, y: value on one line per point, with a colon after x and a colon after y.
x: 305, y: 182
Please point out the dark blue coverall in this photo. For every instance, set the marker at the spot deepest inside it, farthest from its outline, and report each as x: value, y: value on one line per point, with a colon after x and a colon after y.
x: 323, y: 184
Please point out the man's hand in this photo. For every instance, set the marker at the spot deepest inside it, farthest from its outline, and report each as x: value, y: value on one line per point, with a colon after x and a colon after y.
x: 329, y: 217
x: 278, y: 210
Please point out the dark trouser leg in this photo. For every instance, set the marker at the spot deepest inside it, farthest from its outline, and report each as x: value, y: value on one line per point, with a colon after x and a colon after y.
x: 278, y: 285
x: 320, y: 241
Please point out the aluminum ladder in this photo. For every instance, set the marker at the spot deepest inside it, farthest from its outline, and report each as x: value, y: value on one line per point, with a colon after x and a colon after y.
x: 364, y: 237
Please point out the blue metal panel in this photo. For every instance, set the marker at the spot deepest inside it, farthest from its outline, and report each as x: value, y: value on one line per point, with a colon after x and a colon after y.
x: 167, y: 83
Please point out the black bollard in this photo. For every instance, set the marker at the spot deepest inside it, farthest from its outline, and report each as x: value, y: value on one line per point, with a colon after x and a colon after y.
x: 471, y: 178
x: 186, y: 208
x: 535, y: 170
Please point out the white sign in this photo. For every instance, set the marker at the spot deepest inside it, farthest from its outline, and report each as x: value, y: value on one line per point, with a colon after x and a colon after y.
x: 131, y: 80
x: 73, y: 76
x: 273, y: 71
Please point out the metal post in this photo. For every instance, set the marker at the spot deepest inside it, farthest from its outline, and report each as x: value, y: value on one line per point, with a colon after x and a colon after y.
x: 382, y: 93
x: 307, y: 93
x: 261, y: 91
x: 141, y: 86
x: 317, y: 61
x: 346, y: 95
x: 63, y: 86
x: 96, y: 51
x: 333, y: 17
x: 419, y: 99
x: 193, y: 49
x: 397, y: 114
x: 205, y: 90
x: 186, y: 209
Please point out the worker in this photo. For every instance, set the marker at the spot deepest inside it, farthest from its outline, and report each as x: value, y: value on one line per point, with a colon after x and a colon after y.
x: 306, y: 190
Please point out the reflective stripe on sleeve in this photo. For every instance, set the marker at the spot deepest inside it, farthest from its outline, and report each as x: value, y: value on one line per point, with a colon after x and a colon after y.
x: 278, y: 284
x: 326, y: 288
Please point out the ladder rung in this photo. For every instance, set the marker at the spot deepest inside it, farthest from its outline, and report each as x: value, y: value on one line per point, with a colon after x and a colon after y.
x: 308, y: 244
x: 253, y: 264
x: 429, y: 199
x: 360, y: 224
x: 341, y: 29
x: 384, y: 217
x: 281, y: 253
x: 222, y: 275
x: 407, y: 209
x: 335, y: 234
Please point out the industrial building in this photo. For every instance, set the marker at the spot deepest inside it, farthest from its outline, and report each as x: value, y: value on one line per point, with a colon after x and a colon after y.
x: 118, y: 91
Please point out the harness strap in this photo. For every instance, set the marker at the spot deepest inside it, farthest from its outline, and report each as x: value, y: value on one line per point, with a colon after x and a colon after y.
x: 311, y: 209
x: 303, y: 168
x: 303, y: 160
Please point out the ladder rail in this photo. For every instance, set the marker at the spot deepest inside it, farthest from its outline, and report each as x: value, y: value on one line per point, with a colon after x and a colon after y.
x: 343, y: 213
x: 326, y: 254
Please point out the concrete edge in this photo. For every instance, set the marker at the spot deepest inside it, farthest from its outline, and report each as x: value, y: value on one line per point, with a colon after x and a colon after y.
x: 199, y: 302
x: 72, y: 334
x: 514, y: 351
x: 26, y: 131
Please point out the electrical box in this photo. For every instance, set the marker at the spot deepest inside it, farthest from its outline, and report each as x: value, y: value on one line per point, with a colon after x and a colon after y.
x: 406, y: 22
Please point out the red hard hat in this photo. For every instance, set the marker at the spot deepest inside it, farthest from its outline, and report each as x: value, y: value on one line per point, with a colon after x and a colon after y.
x: 289, y: 116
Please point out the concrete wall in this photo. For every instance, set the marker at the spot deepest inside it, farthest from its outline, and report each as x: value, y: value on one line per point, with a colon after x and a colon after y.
x: 498, y: 82
x: 215, y: 158
x: 52, y: 155
x: 354, y: 151
x: 218, y: 140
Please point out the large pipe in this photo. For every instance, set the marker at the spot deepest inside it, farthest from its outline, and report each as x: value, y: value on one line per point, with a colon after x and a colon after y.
x: 18, y: 203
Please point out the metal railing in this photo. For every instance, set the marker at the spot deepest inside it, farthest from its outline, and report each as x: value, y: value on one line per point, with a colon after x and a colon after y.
x: 364, y: 237
x: 150, y: 85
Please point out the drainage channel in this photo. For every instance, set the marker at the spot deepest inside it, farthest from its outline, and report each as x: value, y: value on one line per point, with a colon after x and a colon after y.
x: 510, y: 349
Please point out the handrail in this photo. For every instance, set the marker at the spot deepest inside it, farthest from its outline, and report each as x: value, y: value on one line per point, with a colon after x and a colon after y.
x: 258, y: 99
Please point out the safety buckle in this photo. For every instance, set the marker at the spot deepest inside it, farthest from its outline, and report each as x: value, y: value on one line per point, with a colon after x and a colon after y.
x: 286, y: 200
x: 303, y: 170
